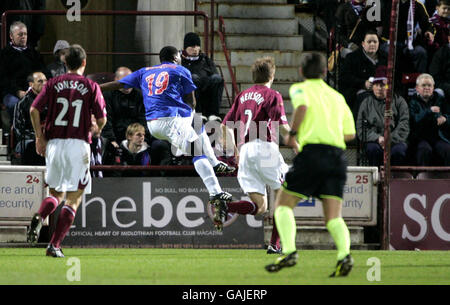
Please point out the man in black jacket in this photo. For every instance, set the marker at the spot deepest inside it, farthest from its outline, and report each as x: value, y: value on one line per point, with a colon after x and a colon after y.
x: 440, y: 68
x: 205, y: 76
x: 411, y: 44
x: 17, y: 61
x: 430, y: 125
x: 23, y: 129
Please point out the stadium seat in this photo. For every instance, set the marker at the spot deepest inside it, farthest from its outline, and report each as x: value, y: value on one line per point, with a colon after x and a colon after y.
x: 409, y: 82
x: 101, y: 77
x: 433, y: 175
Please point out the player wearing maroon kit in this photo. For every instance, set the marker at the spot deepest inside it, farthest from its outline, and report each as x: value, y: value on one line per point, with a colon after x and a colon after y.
x: 75, y: 108
x: 256, y: 114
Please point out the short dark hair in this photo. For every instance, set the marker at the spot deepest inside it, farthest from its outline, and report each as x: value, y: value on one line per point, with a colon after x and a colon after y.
x: 371, y: 32
x: 167, y: 53
x: 30, y: 77
x: 263, y: 69
x: 443, y: 2
x: 75, y: 56
x: 314, y: 65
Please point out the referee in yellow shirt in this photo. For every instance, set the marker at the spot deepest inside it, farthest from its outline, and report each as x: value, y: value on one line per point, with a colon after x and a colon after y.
x: 322, y: 123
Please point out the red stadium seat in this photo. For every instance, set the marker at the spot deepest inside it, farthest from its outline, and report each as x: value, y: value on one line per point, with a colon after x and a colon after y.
x: 101, y: 77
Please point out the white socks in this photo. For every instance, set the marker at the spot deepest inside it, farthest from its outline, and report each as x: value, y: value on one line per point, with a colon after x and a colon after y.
x: 206, y: 172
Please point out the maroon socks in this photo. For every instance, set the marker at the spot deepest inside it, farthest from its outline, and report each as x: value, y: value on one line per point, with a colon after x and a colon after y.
x: 48, y: 206
x: 65, y: 220
x: 242, y: 207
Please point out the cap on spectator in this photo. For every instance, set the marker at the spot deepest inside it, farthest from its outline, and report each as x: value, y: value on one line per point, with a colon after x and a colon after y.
x: 59, y: 45
x: 191, y: 39
x: 380, y: 75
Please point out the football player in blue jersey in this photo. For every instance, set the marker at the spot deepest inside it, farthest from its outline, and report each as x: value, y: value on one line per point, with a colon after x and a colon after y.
x: 168, y: 93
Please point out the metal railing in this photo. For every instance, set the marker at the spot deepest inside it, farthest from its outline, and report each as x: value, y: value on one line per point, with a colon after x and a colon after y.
x: 221, y: 32
x: 212, y: 17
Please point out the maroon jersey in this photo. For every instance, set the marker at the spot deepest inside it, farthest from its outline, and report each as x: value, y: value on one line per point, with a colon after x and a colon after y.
x: 71, y: 99
x: 258, y: 111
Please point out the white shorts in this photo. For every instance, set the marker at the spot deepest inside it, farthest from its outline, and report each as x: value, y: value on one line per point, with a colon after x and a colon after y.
x: 260, y: 164
x: 67, y: 167
x: 177, y: 130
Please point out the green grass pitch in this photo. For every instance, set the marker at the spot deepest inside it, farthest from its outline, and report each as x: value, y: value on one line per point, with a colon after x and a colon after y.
x: 216, y: 267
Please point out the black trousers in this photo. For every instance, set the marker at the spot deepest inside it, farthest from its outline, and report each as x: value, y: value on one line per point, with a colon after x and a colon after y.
x: 433, y: 153
x: 208, y: 94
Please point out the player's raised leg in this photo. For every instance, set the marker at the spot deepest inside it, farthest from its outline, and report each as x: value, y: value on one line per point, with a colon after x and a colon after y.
x: 205, y: 148
x: 48, y: 206
x: 338, y: 230
x: 217, y: 197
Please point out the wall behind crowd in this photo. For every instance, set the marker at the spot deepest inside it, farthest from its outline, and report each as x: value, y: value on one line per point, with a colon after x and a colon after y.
x: 121, y: 33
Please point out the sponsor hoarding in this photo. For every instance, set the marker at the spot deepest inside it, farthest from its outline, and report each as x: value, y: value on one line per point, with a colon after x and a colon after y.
x: 419, y: 214
x: 160, y: 212
x: 21, y: 191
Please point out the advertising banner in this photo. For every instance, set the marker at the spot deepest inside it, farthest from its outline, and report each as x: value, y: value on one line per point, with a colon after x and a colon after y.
x: 359, y: 206
x: 158, y: 212
x: 21, y: 192
x: 419, y: 214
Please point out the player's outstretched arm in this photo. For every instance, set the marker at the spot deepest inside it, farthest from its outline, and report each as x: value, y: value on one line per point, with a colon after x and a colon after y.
x: 114, y: 85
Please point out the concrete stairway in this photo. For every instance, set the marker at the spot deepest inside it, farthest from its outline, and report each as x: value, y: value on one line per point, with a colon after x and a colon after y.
x: 256, y: 28
x: 3, y: 151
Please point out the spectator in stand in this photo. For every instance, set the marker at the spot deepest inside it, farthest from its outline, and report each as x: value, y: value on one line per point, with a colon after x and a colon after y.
x: 430, y: 125
x: 17, y: 61
x: 411, y: 43
x: 98, y: 149
x: 357, y: 70
x: 440, y: 69
x: 430, y: 5
x: 204, y: 73
x: 135, y: 151
x: 58, y: 67
x: 23, y: 129
x: 351, y: 17
x: 372, y: 111
x: 35, y: 23
x: 441, y: 22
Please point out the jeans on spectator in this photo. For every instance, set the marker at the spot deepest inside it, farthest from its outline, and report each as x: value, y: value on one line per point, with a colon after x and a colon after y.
x: 425, y: 149
x: 160, y: 152
x: 10, y: 101
x: 375, y: 153
x: 208, y: 94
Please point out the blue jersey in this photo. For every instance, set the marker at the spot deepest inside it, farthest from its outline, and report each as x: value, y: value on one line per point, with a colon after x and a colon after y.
x: 163, y: 87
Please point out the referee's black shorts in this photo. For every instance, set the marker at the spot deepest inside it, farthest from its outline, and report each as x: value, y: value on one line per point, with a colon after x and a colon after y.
x: 319, y: 171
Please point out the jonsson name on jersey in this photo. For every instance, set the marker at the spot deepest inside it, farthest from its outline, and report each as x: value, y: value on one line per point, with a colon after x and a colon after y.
x: 71, y: 85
